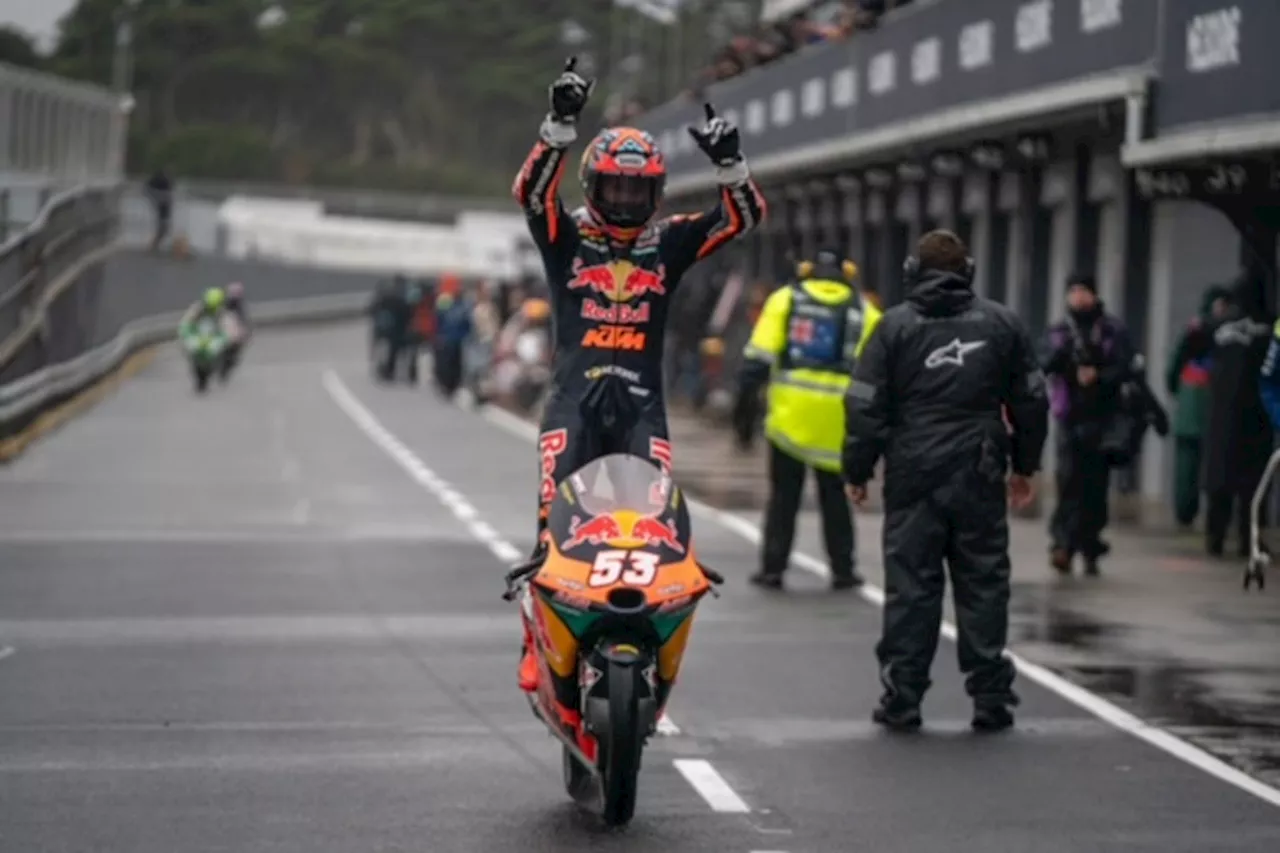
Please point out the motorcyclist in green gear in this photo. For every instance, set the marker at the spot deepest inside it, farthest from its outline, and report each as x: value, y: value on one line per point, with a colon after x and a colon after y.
x: 211, y: 305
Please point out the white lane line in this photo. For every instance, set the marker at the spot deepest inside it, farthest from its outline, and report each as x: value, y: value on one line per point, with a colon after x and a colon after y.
x: 7, y: 652
x: 708, y: 782
x: 1108, y: 712
x: 451, y: 498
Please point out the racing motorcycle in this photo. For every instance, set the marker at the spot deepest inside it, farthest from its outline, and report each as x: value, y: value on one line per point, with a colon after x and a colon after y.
x: 234, y: 332
x: 610, y: 609
x: 205, y: 345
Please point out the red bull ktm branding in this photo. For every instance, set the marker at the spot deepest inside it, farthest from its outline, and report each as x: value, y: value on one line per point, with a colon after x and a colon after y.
x: 627, y: 315
x: 623, y: 529
x: 619, y: 281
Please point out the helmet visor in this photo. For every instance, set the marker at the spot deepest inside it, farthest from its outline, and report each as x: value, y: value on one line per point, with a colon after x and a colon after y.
x: 626, y: 200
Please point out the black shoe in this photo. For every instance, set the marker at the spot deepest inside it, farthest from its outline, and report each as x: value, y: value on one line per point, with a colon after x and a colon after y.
x: 841, y: 583
x: 1060, y: 560
x: 989, y: 719
x: 767, y: 580
x: 1091, y: 567
x: 898, y: 719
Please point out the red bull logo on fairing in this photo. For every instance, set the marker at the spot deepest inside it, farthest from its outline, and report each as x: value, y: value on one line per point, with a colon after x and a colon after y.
x: 619, y: 281
x: 623, y: 529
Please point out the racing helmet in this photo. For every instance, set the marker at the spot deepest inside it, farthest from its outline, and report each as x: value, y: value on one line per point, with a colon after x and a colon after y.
x: 235, y: 291
x: 624, y: 176
x: 214, y: 298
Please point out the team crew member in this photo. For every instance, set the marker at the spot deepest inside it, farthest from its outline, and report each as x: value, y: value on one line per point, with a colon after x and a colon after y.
x: 804, y: 346
x: 611, y: 269
x: 928, y: 394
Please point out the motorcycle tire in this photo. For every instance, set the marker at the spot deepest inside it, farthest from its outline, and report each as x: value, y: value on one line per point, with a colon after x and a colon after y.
x: 619, y: 754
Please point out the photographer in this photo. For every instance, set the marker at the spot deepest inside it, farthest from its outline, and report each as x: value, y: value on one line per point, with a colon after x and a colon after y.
x: 1090, y: 360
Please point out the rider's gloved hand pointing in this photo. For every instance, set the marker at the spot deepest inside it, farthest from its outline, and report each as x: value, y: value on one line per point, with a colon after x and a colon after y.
x: 718, y: 139
x: 570, y: 93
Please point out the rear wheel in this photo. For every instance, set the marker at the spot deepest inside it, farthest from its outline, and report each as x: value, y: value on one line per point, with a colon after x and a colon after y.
x: 619, y: 756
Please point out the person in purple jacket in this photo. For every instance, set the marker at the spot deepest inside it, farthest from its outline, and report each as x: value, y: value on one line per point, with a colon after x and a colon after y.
x: 1089, y: 358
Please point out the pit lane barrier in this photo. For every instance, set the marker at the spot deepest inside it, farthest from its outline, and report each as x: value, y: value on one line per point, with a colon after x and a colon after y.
x: 34, y: 404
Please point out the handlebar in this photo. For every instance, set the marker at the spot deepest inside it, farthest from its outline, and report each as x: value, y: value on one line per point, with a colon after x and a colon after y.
x: 517, y: 574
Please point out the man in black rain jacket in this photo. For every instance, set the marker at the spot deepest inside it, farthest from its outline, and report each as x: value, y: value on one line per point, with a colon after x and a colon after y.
x: 1238, y: 437
x: 948, y: 390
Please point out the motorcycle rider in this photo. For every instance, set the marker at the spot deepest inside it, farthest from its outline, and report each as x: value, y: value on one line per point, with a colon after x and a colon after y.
x: 235, y: 305
x: 211, y: 304
x: 611, y: 269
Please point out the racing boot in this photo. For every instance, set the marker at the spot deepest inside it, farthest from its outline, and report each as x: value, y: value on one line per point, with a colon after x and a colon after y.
x: 528, y: 673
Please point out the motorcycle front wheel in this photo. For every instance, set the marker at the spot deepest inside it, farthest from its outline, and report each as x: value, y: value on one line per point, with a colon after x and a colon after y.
x: 619, y: 753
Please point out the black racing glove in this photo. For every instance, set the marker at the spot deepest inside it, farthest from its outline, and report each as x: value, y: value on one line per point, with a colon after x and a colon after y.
x: 570, y: 93
x: 718, y: 139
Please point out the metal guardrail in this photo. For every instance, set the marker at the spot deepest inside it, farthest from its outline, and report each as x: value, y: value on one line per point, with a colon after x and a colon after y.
x: 46, y: 278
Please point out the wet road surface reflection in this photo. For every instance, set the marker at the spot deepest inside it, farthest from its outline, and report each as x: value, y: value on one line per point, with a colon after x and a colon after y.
x: 1230, y: 708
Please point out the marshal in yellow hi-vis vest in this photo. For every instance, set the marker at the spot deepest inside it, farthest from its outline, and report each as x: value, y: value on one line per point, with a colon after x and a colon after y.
x: 810, y: 334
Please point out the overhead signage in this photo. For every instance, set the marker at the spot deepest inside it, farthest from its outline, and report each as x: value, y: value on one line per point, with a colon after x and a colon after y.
x: 929, y: 59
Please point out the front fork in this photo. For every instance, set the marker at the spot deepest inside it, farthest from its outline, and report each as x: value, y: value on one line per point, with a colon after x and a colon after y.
x: 594, y: 670
x: 613, y: 660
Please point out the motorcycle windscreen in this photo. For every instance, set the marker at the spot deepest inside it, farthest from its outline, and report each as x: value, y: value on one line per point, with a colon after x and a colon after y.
x: 619, y: 521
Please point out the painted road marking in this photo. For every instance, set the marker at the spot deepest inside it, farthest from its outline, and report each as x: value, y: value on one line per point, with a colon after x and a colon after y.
x: 711, y: 786
x: 446, y: 494
x: 1116, y: 716
x: 415, y: 468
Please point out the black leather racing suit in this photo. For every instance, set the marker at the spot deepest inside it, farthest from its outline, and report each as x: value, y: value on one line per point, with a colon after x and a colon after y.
x: 609, y: 303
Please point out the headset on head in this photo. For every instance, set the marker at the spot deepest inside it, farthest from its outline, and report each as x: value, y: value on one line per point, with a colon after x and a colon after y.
x: 911, y: 271
x: 805, y: 269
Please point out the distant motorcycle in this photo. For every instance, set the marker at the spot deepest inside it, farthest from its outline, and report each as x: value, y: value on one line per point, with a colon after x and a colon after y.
x: 236, y: 336
x: 205, y: 345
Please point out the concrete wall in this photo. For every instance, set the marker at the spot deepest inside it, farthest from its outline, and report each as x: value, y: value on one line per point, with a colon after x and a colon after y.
x: 136, y: 284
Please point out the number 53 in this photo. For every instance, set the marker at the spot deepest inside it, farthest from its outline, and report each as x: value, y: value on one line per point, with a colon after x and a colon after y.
x: 633, y: 568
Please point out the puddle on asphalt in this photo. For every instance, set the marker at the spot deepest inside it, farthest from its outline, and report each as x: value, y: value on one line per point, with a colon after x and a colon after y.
x: 1232, y: 712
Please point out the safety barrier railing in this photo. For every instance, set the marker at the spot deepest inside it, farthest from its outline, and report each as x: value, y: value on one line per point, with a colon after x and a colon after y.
x: 44, y: 281
x: 60, y: 130
x: 61, y: 161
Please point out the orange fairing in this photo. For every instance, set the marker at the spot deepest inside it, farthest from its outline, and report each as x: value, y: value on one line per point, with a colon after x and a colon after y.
x: 620, y: 522
x: 591, y: 579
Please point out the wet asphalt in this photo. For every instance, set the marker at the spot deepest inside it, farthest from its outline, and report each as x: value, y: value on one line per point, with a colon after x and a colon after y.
x: 238, y: 624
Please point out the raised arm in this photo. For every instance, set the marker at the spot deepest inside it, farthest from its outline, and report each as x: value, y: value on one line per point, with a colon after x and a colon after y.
x: 537, y: 186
